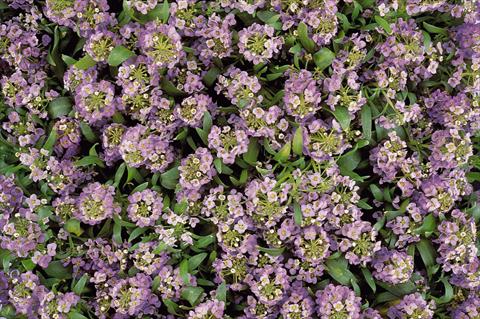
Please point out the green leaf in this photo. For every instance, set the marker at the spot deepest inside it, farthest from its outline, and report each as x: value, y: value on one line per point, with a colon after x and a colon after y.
x: 377, y: 193
x: 221, y: 293
x: 433, y: 29
x: 169, y: 179
x: 172, y: 307
x: 68, y: 60
x: 119, y: 173
x: 384, y: 24
x: 85, y: 63
x: 56, y: 270
x: 184, y: 271
x: 204, y: 241
x: 207, y: 122
x: 366, y: 117
x: 428, y: 226
x: 211, y: 76
x: 140, y: 187
x: 164, y: 12
x: 269, y: 17
x: 50, y: 142
x: 284, y: 153
x: 170, y: 89
x: 195, y: 261
x: 90, y: 160
x: 73, y: 227
x: 6, y: 257
x: 76, y: 315
x: 338, y: 270
x: 448, y: 295
x: 428, y: 254
x: 343, y: 116
x: 323, y: 58
x: 136, y: 233
x: 118, y: 55
x: 272, y: 251
x: 28, y: 264
x: 349, y: 161
x: 160, y: 12
x: 297, y: 214
x: 192, y: 294
x: 87, y: 132
x: 369, y: 279
x: 252, y: 153
x: 59, y: 107
x: 297, y: 144
x: 305, y: 40
x: 80, y: 285
x: 117, y: 231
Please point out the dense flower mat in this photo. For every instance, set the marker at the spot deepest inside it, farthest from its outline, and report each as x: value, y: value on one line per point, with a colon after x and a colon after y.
x: 239, y: 159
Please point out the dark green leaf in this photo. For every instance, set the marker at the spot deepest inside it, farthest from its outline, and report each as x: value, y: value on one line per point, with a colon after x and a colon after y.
x: 195, y: 261
x: 73, y: 227
x: 87, y: 132
x: 169, y: 179
x: 297, y: 144
x: 76, y: 315
x: 369, y: 279
x: 136, y: 233
x: 427, y: 252
x: 221, y: 293
x: 85, y: 63
x: 323, y: 58
x: 56, y: 270
x: 284, y: 153
x: 305, y: 40
x: 433, y: 29
x: 338, y: 270
x: 90, y: 160
x: 59, y: 107
x: 192, y: 294
x: 366, y: 117
x: 343, y: 116
x: 384, y: 24
x: 68, y: 60
x: 50, y: 142
x: 252, y: 153
x: 211, y: 76
x: 118, y: 55
x: 80, y: 285
x: 297, y: 214
x: 184, y: 271
x: 272, y: 251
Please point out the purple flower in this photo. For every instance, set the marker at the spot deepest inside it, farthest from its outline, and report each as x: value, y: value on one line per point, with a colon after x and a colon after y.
x: 161, y: 44
x: 145, y: 207
x: 258, y: 44
x: 228, y: 142
x: 213, y: 309
x: 96, y: 203
x: 392, y: 266
x: 337, y: 302
x: 95, y: 101
x: 412, y: 306
x: 196, y: 169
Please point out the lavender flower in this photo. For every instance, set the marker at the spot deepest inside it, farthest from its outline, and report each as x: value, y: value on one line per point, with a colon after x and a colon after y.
x: 337, y: 301
x: 196, y: 169
x: 96, y: 203
x: 95, y: 101
x: 145, y: 207
x: 412, y: 306
x: 258, y: 44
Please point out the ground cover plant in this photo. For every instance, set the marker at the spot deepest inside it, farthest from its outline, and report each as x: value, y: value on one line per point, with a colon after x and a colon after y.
x: 239, y: 159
